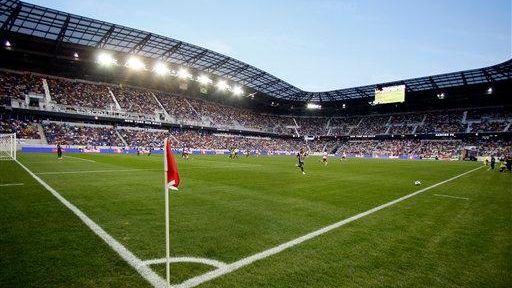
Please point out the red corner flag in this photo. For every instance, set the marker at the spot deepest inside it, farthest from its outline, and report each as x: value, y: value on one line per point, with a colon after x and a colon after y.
x: 172, y: 179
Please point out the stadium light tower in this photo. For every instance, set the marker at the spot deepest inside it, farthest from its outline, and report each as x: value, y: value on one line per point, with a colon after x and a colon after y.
x: 204, y: 80
x: 238, y: 91
x: 135, y: 63
x: 222, y: 85
x: 161, y: 69
x: 105, y: 59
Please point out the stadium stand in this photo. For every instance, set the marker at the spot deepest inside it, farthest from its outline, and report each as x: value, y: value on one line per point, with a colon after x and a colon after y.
x: 81, y: 134
x: 81, y: 104
x: 24, y: 129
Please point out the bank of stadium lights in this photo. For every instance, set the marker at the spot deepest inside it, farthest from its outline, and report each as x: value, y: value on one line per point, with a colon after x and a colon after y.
x: 204, y: 80
x: 7, y: 44
x: 238, y: 91
x: 161, y: 69
x: 135, y: 63
x: 75, y: 55
x: 222, y: 85
x: 106, y: 59
x: 313, y: 106
x: 441, y: 96
x: 490, y: 90
x: 184, y: 74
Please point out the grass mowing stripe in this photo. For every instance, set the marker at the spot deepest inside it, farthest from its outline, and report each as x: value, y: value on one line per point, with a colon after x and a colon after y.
x: 79, y: 158
x: 450, y: 196
x: 95, y: 171
x: 11, y: 184
x: 193, y: 282
x: 206, y: 261
x: 146, y: 272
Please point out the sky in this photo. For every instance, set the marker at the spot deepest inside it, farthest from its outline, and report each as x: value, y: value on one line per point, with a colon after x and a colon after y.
x: 320, y: 45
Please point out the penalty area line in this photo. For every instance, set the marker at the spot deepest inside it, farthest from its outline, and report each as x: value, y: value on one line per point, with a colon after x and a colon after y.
x: 198, y: 280
x: 130, y: 258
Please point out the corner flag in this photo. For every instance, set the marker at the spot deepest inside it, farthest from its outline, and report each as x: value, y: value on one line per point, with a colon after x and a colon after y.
x: 172, y: 181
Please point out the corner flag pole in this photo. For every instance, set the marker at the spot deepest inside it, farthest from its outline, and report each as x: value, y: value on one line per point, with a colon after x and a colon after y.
x: 167, y: 240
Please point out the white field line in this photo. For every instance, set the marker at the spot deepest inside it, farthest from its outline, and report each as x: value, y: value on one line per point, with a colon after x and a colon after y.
x: 88, y: 160
x: 11, y: 184
x: 95, y: 171
x: 450, y: 196
x: 129, y: 257
x: 195, y: 281
x: 206, y: 261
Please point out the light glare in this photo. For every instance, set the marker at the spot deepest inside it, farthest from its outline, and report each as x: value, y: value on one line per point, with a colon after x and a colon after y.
x: 161, y: 69
x: 222, y: 85
x: 135, y: 63
x: 106, y: 59
x: 313, y: 106
x: 204, y: 80
x: 237, y: 91
x: 184, y: 74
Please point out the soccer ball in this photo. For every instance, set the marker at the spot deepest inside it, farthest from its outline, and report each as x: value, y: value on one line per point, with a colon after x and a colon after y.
x: 417, y: 182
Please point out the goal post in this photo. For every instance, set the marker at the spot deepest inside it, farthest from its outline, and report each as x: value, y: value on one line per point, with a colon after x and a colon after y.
x: 8, y: 146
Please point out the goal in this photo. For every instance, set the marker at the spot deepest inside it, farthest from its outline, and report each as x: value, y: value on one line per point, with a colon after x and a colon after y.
x: 8, y: 146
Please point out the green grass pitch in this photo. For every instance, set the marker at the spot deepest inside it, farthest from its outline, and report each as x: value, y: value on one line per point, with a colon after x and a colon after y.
x: 230, y: 209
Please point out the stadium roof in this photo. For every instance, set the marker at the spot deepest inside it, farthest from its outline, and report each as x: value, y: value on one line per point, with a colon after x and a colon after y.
x: 29, y: 19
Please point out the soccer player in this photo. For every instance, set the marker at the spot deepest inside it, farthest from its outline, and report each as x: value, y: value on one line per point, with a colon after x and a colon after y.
x: 185, y: 152
x: 324, y: 158
x: 493, y: 162
x: 301, y: 156
x: 59, y: 151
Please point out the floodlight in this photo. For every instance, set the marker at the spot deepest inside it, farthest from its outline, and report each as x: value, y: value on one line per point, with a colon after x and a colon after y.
x: 222, y: 85
x: 313, y: 106
x: 490, y: 90
x: 75, y: 55
x: 135, y: 63
x: 343, y: 106
x: 7, y: 43
x: 106, y: 59
x: 237, y: 91
x: 161, y: 69
x: 184, y: 74
x: 204, y: 80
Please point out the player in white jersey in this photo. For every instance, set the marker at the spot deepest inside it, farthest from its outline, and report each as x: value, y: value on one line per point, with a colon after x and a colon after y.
x: 324, y: 158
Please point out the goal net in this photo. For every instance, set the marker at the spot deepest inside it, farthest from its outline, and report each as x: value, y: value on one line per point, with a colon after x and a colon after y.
x: 8, y: 146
